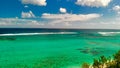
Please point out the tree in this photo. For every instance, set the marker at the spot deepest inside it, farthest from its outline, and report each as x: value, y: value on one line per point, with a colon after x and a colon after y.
x: 103, y: 59
x: 96, y: 63
x: 102, y: 62
x: 117, y: 59
x: 85, y: 65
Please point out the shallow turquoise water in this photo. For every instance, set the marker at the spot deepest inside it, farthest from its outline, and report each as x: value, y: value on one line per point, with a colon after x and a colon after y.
x: 54, y: 50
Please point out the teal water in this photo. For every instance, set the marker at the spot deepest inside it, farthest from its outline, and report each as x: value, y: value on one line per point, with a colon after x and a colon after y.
x: 60, y: 50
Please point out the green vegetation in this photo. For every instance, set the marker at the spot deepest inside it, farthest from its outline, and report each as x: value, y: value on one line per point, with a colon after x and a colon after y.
x: 104, y: 62
x: 85, y: 65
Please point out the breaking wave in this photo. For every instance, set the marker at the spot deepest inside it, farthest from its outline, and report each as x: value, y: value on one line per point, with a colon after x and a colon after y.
x: 109, y: 33
x: 53, y: 33
x: 45, y: 33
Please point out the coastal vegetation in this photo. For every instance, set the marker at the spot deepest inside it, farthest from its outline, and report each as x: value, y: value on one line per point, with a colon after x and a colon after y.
x: 105, y: 62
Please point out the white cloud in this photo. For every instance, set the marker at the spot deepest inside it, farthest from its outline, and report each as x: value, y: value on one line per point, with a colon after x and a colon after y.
x: 16, y: 22
x: 35, y: 2
x: 62, y: 10
x: 67, y: 19
x: 117, y: 9
x: 93, y: 3
x: 70, y: 17
x: 49, y: 19
x: 27, y: 23
x: 27, y: 15
x: 25, y: 6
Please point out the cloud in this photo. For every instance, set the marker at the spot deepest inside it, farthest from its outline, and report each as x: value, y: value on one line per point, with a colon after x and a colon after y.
x: 68, y: 18
x: 116, y: 9
x: 27, y: 15
x: 62, y: 10
x: 48, y: 20
x: 93, y: 3
x: 16, y: 22
x: 35, y: 2
x: 28, y: 23
x: 25, y: 6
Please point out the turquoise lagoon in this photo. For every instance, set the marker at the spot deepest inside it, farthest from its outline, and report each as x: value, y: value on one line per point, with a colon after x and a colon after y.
x: 44, y: 48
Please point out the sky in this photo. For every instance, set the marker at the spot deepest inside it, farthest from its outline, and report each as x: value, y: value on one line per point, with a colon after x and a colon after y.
x: 80, y: 14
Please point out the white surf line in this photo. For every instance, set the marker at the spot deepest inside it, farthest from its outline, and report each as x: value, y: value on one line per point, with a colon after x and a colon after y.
x: 108, y: 33
x: 37, y: 33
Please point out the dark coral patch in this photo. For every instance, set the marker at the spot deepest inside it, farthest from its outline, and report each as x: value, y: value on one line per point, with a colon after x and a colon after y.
x: 7, y: 38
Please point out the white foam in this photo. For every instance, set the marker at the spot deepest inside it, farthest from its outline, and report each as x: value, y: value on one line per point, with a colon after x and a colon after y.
x: 17, y: 34
x: 109, y: 33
